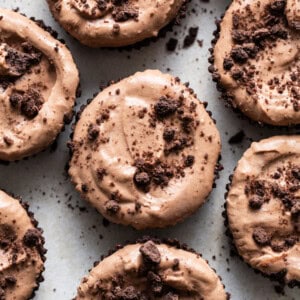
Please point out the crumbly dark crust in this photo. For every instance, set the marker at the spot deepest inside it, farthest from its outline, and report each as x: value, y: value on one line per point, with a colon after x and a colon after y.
x: 67, y: 118
x: 278, y: 277
x: 41, y: 249
x: 170, y: 242
x: 226, y: 96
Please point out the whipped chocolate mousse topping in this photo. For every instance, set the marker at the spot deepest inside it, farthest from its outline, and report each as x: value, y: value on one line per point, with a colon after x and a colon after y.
x: 145, y: 151
x: 114, y: 23
x: 263, y: 207
x: 256, y: 59
x: 21, y: 250
x: 152, y: 271
x: 38, y: 82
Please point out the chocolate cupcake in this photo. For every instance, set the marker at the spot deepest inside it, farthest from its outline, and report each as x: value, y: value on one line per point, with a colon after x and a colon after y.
x: 145, y: 151
x: 152, y: 270
x: 114, y: 23
x: 256, y: 60
x: 22, y: 254
x: 38, y: 82
x: 263, y: 208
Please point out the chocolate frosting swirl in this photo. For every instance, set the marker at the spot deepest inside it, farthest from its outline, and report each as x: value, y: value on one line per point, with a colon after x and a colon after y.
x: 114, y: 23
x: 21, y: 251
x: 256, y: 59
x: 263, y: 207
x: 145, y: 151
x: 152, y: 271
x: 38, y: 82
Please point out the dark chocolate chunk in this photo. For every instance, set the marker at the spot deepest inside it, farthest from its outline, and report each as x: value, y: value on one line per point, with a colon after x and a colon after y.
x: 228, y: 64
x: 155, y: 282
x: 142, y: 179
x: 112, y: 207
x: 150, y: 253
x: 239, y: 55
x: 168, y: 134
x: 191, y: 37
x: 171, y: 44
x: 237, y: 138
x: 189, y: 161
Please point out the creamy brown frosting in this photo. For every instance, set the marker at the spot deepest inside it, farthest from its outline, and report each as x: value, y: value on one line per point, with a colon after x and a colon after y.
x: 21, y: 251
x: 145, y: 151
x: 174, y: 274
x: 263, y: 206
x: 38, y: 82
x: 114, y: 23
x: 256, y: 59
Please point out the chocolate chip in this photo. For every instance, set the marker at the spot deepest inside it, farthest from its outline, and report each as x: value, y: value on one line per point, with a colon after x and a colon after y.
x: 261, y: 237
x: 150, y: 253
x: 165, y: 107
x: 256, y: 202
x: 93, y: 132
x: 31, y: 238
x: 112, y: 207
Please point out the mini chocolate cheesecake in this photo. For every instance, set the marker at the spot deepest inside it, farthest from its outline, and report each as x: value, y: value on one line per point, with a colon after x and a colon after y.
x: 114, y: 23
x: 263, y: 208
x: 256, y: 60
x: 152, y: 270
x: 22, y: 253
x: 145, y: 151
x: 38, y: 82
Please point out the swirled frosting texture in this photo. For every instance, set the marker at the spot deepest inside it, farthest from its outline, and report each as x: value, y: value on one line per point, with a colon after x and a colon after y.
x: 263, y: 206
x: 114, y: 23
x: 145, y: 151
x: 256, y: 59
x: 21, y: 251
x: 38, y: 82
x: 186, y: 274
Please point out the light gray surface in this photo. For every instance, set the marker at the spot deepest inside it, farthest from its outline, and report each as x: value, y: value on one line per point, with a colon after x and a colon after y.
x: 73, y: 237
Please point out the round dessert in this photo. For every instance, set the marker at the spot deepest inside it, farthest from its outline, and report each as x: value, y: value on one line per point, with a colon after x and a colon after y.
x: 114, y: 23
x: 152, y: 270
x: 38, y: 82
x: 263, y: 208
x: 256, y: 60
x: 21, y: 250
x: 145, y: 151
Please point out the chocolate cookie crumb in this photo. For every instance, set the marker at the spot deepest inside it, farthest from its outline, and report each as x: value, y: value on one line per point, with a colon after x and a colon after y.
x: 150, y: 253
x: 261, y: 237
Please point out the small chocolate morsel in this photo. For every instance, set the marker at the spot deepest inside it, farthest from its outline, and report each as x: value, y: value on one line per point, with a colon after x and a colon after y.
x: 228, y: 64
x: 129, y: 293
x: 256, y: 202
x: 261, y: 237
x: 237, y: 138
x: 93, y: 132
x: 239, y: 55
x: 155, y: 282
x: 170, y: 296
x: 165, y: 107
x: 112, y: 207
x: 31, y: 238
x: 189, y: 161
x: 142, y: 179
x: 168, y: 134
x: 150, y: 253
